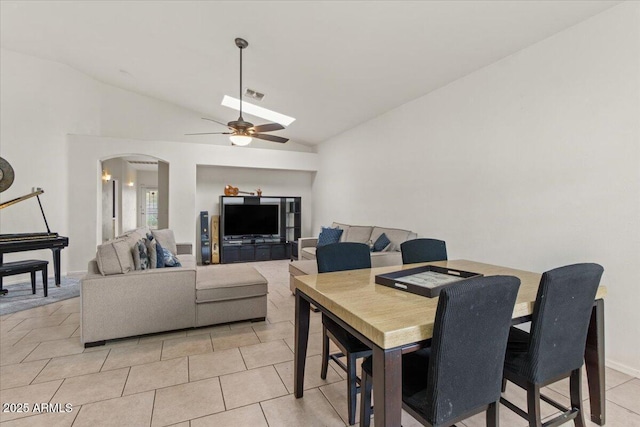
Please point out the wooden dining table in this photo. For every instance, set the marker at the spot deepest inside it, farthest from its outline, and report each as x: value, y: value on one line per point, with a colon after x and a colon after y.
x: 392, y: 322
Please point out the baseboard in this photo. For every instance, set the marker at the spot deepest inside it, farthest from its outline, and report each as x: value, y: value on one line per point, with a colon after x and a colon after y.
x: 623, y: 368
x: 78, y: 272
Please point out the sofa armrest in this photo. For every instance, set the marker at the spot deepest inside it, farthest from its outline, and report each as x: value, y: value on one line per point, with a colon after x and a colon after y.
x: 306, y: 242
x: 184, y: 248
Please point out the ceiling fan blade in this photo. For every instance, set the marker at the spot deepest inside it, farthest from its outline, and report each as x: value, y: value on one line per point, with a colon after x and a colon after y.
x: 215, y: 121
x: 271, y: 138
x: 210, y: 133
x: 268, y: 127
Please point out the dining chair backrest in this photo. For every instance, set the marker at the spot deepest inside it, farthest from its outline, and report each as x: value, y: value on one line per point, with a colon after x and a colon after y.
x: 560, y: 321
x: 470, y: 335
x: 343, y: 256
x: 423, y: 250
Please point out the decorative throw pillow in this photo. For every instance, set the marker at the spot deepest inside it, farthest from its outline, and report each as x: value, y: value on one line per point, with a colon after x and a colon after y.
x: 160, y: 256
x: 166, y: 239
x: 152, y: 251
x: 140, y: 255
x: 328, y: 236
x: 114, y: 257
x: 170, y: 260
x: 381, y: 243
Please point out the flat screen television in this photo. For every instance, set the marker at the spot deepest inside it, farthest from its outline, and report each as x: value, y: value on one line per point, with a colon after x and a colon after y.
x: 251, y: 220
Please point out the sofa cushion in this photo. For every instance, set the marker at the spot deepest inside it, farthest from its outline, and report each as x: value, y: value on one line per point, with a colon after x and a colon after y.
x: 166, y: 239
x: 114, y: 257
x: 359, y: 234
x: 228, y: 282
x: 381, y: 243
x: 187, y: 261
x: 328, y: 236
x: 308, y: 253
x: 395, y: 235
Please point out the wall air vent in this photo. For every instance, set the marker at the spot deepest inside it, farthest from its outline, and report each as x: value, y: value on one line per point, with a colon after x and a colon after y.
x: 253, y: 94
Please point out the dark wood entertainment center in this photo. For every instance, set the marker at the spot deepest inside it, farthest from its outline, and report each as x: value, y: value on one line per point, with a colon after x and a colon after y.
x: 243, y: 248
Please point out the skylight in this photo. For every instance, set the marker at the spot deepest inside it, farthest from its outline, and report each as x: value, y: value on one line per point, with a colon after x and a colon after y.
x: 231, y: 102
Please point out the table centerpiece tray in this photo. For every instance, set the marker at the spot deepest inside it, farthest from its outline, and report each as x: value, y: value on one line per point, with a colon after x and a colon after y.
x: 426, y: 281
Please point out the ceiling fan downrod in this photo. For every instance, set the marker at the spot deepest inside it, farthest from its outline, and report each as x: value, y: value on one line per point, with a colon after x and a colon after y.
x: 242, y: 44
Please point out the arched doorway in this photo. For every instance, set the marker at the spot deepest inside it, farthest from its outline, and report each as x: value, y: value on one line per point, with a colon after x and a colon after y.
x: 134, y: 194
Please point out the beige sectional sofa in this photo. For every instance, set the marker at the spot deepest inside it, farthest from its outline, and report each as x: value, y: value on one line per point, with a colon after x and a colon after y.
x: 363, y: 234
x: 306, y: 263
x: 129, y: 303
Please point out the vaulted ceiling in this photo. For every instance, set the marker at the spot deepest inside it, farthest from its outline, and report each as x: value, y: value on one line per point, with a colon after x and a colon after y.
x: 331, y: 65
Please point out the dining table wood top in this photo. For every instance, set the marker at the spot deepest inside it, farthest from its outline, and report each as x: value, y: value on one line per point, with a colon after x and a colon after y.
x: 392, y: 318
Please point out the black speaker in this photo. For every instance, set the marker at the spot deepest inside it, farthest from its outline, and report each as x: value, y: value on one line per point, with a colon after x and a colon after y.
x: 205, y: 244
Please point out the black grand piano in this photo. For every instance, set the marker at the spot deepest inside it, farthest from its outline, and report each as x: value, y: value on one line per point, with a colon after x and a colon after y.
x: 33, y: 241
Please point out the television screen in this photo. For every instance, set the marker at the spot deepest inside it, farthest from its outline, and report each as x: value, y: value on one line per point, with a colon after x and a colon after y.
x: 250, y: 220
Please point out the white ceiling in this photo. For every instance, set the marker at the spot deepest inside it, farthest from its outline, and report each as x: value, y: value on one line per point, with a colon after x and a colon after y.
x: 332, y: 65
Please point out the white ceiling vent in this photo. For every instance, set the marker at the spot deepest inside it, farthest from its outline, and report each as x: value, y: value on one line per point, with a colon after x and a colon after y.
x: 253, y: 94
x: 142, y: 162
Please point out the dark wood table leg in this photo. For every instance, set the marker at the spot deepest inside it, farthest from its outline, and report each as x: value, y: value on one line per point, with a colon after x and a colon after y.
x: 594, y: 362
x: 56, y: 264
x: 300, y: 346
x: 387, y: 386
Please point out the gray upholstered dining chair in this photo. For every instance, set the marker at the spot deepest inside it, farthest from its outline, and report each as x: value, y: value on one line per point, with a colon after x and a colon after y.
x: 423, y: 250
x: 460, y: 374
x: 554, y: 349
x: 342, y: 257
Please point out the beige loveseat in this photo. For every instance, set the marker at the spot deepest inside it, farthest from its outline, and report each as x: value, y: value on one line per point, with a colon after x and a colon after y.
x: 137, y: 302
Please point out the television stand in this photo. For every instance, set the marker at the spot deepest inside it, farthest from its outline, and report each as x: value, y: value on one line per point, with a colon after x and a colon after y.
x: 255, y: 251
x: 263, y: 247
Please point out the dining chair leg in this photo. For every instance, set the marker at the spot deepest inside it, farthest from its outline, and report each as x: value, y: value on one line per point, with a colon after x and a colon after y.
x: 493, y: 414
x: 533, y: 405
x: 365, y: 400
x: 575, y: 391
x: 325, y: 354
x: 504, y: 385
x: 353, y: 388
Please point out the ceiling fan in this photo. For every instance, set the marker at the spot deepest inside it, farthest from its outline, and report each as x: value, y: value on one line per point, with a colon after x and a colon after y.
x: 242, y: 131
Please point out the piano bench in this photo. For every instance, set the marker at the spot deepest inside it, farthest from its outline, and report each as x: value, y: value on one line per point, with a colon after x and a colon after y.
x: 26, y: 266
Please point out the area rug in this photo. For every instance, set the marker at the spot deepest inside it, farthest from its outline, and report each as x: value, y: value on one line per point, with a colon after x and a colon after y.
x: 20, y: 297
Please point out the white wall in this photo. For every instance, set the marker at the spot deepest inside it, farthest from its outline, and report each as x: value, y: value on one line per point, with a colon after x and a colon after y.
x: 211, y: 180
x: 40, y: 102
x: 532, y: 162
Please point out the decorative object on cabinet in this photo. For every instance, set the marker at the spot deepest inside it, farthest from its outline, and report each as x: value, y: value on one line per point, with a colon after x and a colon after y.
x: 230, y: 190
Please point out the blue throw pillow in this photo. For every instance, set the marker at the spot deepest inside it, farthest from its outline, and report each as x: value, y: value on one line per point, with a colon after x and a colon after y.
x: 170, y: 260
x: 329, y: 235
x: 160, y: 255
x: 381, y: 242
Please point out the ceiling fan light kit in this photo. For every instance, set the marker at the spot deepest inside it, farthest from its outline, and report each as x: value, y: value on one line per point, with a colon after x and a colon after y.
x: 240, y: 140
x: 243, y: 132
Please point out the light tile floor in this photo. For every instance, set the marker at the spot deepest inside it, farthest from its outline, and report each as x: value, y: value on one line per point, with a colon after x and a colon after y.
x: 230, y: 375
